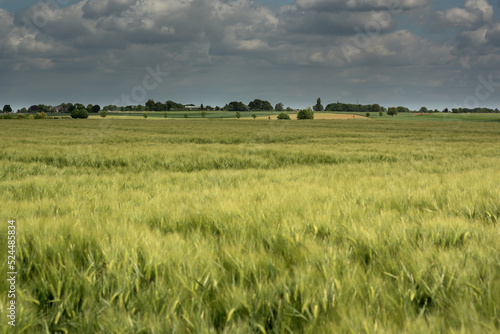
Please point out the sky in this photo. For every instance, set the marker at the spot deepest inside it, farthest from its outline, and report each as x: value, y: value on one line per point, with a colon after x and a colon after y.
x: 434, y: 53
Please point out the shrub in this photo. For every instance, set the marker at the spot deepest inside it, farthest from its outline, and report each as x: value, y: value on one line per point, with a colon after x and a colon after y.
x: 186, y: 115
x: 381, y: 114
x: 79, y: 113
x: 41, y: 115
x: 284, y: 116
x: 254, y: 116
x: 104, y: 113
x: 238, y: 115
x: 367, y: 114
x: 305, y: 114
x: 145, y: 115
x: 203, y: 114
x: 165, y: 115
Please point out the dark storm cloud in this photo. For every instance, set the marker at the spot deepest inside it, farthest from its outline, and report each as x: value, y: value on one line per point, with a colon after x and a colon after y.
x: 493, y: 35
x: 94, y: 9
x: 344, y: 44
x: 361, y: 5
x: 328, y: 23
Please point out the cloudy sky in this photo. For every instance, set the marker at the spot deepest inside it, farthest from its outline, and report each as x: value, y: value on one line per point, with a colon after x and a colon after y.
x: 434, y: 53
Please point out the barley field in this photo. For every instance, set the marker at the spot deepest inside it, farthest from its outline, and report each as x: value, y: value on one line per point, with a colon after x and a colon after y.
x: 252, y: 226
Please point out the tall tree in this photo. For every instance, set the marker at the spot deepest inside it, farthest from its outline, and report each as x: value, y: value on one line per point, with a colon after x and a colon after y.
x: 7, y: 108
x: 279, y: 107
x: 318, y: 106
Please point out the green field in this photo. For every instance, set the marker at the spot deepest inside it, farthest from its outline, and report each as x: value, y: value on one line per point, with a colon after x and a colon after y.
x: 160, y: 115
x: 252, y: 226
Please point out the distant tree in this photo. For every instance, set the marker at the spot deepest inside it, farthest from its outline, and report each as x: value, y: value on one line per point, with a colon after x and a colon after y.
x: 279, y: 107
x: 266, y: 105
x: 7, y: 108
x: 367, y: 114
x: 305, y: 114
x: 158, y: 106
x: 289, y: 109
x: 203, y: 114
x: 80, y: 113
x: 284, y: 116
x: 24, y: 110
x: 258, y: 104
x: 403, y: 109
x: 165, y: 115
x: 145, y: 115
x: 381, y: 114
x: 236, y: 106
x: 104, y: 113
x: 168, y: 105
x: 254, y: 116
x: 217, y: 108
x: 202, y: 107
x: 455, y: 110
x: 392, y: 111
x: 238, y: 115
x: 255, y: 104
x: 318, y: 106
x: 423, y: 110
x: 150, y: 105
x: 90, y: 107
x: 375, y: 108
x: 446, y: 110
x: 43, y: 108
x: 186, y: 115
x: 96, y: 108
x: 33, y: 108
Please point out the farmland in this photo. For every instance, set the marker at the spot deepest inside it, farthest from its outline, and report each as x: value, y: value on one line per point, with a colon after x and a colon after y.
x: 248, y: 226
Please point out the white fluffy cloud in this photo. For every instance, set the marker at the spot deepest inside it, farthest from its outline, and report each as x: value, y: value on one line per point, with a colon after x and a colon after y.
x: 473, y: 14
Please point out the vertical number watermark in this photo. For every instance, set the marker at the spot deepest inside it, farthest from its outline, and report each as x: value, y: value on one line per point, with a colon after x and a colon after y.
x: 11, y: 272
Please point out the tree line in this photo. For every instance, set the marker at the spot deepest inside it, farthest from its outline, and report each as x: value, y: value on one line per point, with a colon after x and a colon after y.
x: 79, y: 110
